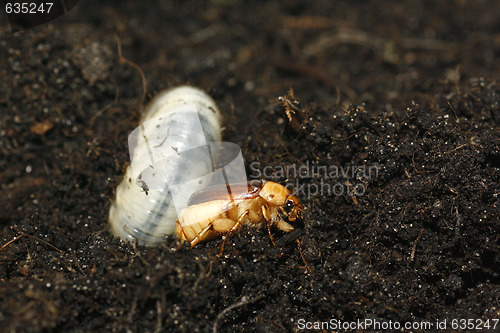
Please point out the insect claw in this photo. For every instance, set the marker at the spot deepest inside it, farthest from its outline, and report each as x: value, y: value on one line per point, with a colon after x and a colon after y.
x: 224, y: 239
x: 221, y: 251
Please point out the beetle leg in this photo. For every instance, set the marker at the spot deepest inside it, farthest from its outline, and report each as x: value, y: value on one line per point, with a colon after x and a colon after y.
x: 200, y: 236
x: 218, y: 225
x: 265, y: 213
x: 231, y: 232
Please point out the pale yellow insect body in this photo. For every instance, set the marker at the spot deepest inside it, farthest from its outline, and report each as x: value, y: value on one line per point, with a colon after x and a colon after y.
x: 213, y: 213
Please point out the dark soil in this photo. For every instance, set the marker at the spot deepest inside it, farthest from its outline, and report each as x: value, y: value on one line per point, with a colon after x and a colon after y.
x: 406, y: 88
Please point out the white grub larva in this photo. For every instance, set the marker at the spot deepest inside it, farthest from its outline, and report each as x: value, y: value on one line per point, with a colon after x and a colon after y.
x: 168, y: 148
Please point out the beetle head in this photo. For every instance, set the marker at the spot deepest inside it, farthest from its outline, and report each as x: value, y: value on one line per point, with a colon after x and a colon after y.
x: 278, y: 195
x: 292, y: 208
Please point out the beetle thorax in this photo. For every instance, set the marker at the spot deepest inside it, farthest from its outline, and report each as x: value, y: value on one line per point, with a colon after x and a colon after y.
x: 274, y: 194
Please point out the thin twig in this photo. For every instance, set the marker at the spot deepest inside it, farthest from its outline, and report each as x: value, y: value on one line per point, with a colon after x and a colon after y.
x: 11, y: 241
x: 244, y: 300
x: 41, y: 240
x: 24, y: 234
x: 412, y: 256
x: 302, y: 255
x: 454, y: 112
x: 117, y: 93
x: 124, y: 60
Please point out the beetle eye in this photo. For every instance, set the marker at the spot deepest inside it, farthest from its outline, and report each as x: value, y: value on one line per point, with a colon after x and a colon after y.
x: 289, y: 204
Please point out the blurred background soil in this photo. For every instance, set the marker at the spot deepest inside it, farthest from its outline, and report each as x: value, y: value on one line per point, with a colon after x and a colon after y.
x: 408, y: 88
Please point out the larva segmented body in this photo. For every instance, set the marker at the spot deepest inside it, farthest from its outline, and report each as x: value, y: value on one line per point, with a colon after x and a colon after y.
x: 167, y: 149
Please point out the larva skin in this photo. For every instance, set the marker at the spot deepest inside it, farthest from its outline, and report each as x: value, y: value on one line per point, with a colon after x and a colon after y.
x: 148, y: 214
x: 262, y: 206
